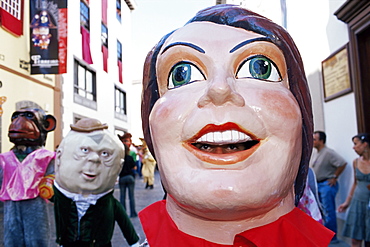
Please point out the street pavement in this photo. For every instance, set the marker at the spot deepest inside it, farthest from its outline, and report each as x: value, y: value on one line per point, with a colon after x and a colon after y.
x: 143, y: 198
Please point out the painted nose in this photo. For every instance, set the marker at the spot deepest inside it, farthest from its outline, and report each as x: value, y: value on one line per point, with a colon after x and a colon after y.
x: 94, y: 158
x: 221, y: 91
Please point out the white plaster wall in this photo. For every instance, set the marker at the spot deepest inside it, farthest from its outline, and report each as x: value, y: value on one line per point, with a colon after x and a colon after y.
x: 340, y: 118
x: 151, y: 20
x: 17, y: 89
x: 74, y: 49
x: 123, y: 32
x: 318, y: 33
x: 105, y: 81
x: 268, y: 8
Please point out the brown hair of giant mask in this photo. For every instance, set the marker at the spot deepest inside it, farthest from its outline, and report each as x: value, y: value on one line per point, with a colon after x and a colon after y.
x: 238, y: 17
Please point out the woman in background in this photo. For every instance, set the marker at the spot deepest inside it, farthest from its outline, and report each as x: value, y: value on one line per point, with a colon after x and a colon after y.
x: 127, y: 181
x: 357, y: 225
x: 148, y: 168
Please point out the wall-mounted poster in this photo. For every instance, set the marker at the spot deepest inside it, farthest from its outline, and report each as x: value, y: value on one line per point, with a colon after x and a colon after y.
x: 48, y: 36
x: 336, y: 74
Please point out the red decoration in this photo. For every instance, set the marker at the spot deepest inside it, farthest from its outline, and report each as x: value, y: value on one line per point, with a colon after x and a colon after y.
x: 10, y: 23
x: 86, y: 52
x: 119, y: 64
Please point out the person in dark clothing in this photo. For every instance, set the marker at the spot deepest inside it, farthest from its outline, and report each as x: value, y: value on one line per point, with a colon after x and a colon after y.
x: 127, y: 182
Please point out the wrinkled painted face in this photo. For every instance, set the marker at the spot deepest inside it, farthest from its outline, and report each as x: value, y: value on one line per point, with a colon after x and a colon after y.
x: 226, y: 130
x: 88, y: 163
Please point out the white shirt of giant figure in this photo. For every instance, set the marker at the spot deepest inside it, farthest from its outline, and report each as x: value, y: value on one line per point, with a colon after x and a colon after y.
x: 88, y: 162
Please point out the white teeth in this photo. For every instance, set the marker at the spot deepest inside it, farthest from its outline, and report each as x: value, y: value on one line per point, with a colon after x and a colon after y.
x: 228, y: 136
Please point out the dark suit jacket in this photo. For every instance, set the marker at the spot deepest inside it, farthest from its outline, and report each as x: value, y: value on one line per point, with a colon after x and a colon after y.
x: 96, y: 226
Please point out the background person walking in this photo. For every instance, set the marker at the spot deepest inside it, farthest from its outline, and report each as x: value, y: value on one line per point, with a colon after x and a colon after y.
x: 357, y: 225
x: 127, y: 182
x: 327, y: 166
x: 148, y: 168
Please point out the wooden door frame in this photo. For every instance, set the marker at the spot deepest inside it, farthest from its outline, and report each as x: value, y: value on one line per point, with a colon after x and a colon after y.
x: 356, y: 13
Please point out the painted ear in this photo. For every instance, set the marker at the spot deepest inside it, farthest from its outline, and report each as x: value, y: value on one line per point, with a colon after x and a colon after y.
x: 50, y: 123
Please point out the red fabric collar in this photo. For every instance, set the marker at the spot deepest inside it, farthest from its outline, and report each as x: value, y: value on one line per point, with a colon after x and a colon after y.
x: 291, y: 230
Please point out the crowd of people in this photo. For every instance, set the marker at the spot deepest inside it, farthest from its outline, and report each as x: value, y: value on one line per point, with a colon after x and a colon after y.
x: 328, y: 166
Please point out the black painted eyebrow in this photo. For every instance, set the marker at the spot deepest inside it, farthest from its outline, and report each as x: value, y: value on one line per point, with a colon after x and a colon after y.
x: 195, y: 47
x: 246, y: 42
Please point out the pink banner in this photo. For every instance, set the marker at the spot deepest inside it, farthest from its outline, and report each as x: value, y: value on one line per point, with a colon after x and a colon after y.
x: 119, y: 63
x: 86, y: 53
x: 105, y: 57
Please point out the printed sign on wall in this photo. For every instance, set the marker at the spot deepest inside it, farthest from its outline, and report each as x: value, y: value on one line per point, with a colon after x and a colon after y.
x: 48, y: 36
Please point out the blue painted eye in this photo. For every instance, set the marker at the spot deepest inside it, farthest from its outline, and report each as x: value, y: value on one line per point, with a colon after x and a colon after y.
x: 259, y: 67
x: 105, y: 154
x: 184, y: 73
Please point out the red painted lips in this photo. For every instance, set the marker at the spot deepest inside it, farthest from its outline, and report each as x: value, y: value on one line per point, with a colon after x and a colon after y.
x: 222, y: 144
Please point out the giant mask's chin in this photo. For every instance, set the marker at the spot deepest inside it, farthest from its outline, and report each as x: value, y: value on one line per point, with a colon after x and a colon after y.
x: 222, y: 144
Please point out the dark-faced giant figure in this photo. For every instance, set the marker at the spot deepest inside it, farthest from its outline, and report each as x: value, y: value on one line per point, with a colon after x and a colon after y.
x: 25, y: 167
x: 227, y: 114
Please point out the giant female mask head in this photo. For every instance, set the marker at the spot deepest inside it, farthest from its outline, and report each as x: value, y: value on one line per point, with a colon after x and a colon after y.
x: 227, y: 113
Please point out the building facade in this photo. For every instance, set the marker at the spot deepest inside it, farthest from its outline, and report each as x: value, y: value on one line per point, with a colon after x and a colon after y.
x: 96, y: 78
x: 18, y: 88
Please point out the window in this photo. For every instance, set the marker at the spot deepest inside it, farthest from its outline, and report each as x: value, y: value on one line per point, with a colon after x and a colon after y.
x: 119, y: 51
x: 118, y: 10
x: 11, y: 16
x: 120, y: 101
x: 104, y: 35
x: 13, y: 7
x: 84, y: 15
x: 84, y: 82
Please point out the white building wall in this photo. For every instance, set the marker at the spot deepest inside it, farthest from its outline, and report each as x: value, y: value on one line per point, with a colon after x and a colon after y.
x: 124, y: 35
x: 105, y: 82
x: 318, y: 34
x: 151, y: 20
